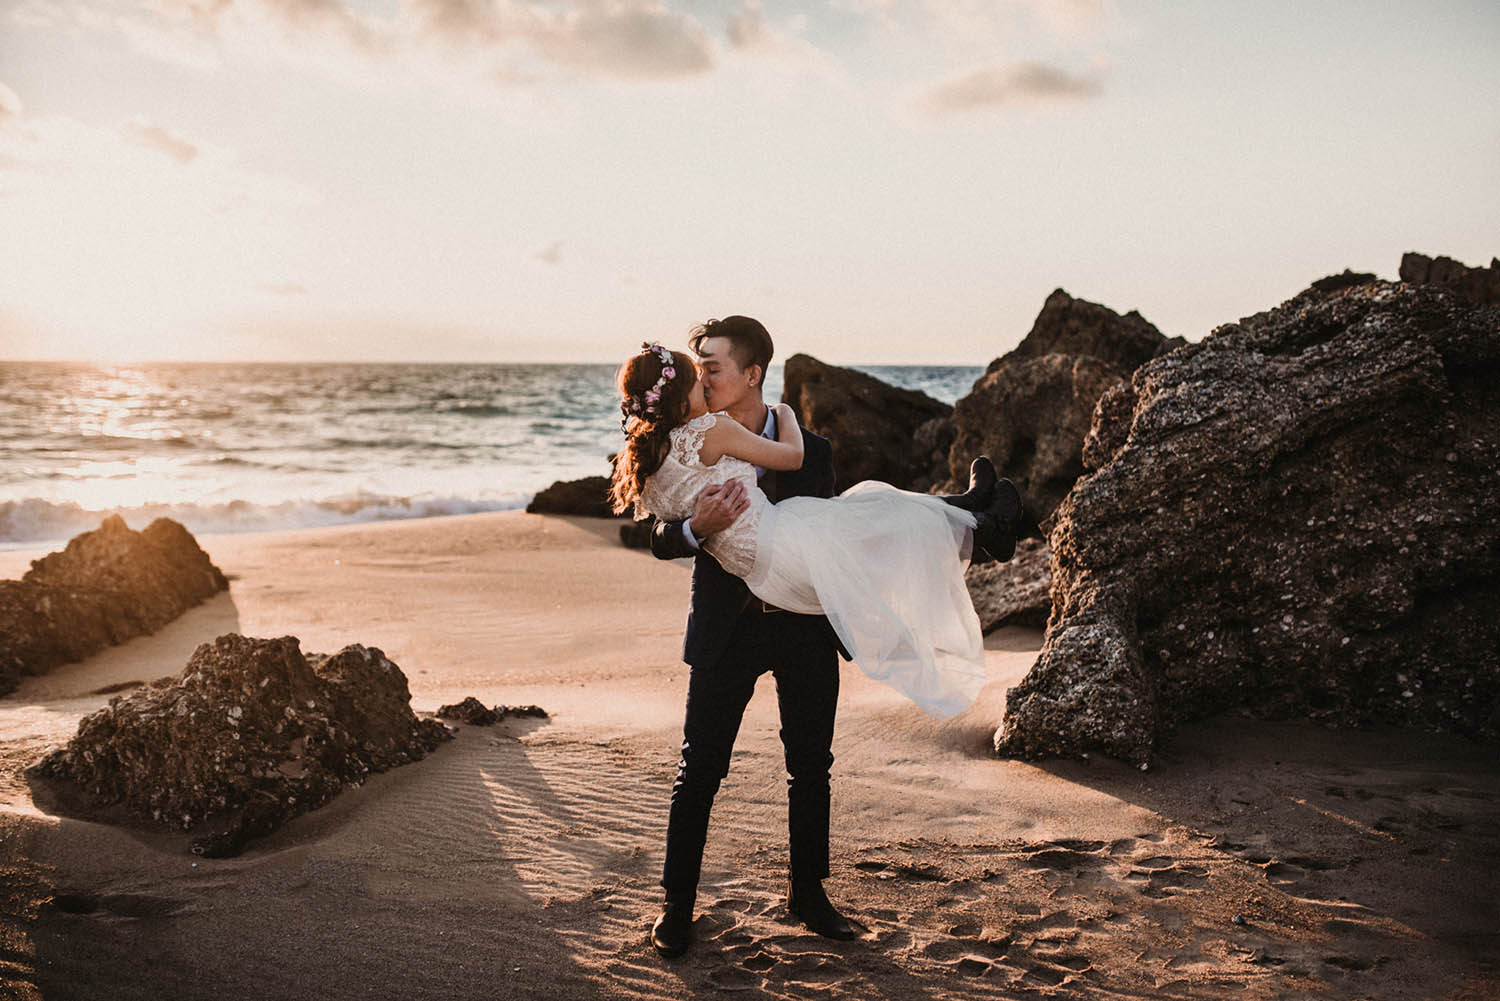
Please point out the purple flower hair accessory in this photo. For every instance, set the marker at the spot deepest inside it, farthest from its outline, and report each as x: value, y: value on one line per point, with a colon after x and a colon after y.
x: 647, y: 403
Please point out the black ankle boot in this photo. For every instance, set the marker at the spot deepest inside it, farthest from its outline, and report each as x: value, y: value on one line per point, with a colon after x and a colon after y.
x: 673, y: 931
x: 982, y: 480
x: 808, y: 902
x: 995, y: 527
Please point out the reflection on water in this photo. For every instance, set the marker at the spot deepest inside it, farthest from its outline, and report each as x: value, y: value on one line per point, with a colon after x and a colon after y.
x: 227, y: 447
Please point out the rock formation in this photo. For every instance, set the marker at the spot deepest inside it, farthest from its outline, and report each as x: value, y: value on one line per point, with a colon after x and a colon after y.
x: 1069, y: 326
x: 1031, y: 410
x: 250, y: 734
x: 105, y: 587
x: 472, y: 712
x: 878, y: 431
x: 1478, y: 285
x: 588, y: 497
x: 1015, y: 593
x: 1297, y: 516
x: 476, y: 713
x: 1344, y: 279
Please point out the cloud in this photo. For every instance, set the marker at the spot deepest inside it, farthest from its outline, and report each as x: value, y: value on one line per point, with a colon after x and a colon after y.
x: 747, y: 26
x: 640, y: 40
x: 10, y: 105
x: 296, y: 17
x: 990, y: 87
x: 750, y: 33
x: 144, y: 133
x: 628, y: 39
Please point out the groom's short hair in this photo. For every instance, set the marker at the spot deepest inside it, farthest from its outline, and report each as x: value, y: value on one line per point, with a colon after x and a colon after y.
x: 750, y: 342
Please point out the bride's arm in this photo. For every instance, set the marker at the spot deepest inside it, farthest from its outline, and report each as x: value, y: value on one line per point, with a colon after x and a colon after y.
x: 728, y: 437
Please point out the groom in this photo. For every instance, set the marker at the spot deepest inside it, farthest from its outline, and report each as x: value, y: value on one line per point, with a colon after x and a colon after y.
x: 732, y: 638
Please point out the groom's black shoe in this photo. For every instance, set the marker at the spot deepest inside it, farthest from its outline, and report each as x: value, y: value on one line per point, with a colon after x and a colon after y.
x: 808, y: 902
x: 995, y: 528
x: 982, y: 480
x: 673, y: 931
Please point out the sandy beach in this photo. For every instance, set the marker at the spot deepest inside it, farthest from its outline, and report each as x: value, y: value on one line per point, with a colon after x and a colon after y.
x: 1262, y: 860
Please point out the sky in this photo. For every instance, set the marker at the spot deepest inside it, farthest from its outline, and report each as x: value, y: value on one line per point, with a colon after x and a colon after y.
x: 879, y: 181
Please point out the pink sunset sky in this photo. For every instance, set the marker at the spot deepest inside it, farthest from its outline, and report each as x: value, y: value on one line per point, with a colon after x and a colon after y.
x: 878, y: 180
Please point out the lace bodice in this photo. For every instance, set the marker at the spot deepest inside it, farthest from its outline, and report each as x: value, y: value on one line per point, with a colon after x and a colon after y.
x: 672, y: 491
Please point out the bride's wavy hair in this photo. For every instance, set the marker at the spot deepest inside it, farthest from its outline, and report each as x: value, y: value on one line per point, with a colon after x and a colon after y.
x: 650, y: 413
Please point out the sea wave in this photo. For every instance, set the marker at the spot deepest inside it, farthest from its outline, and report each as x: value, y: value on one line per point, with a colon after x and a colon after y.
x: 34, y: 520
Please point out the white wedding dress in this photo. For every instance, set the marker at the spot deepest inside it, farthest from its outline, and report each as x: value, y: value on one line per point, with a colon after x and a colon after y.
x: 885, y: 565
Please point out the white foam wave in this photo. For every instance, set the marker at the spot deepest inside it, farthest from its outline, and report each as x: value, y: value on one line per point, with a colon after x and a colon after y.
x: 34, y: 520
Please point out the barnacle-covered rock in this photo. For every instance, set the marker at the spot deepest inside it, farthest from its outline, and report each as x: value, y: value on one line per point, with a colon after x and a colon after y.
x: 250, y: 734
x: 1299, y: 516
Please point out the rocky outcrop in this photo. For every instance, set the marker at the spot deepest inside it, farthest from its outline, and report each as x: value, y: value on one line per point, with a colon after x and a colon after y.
x: 1344, y: 279
x: 476, y: 713
x: 250, y: 734
x: 588, y: 497
x: 105, y: 587
x: 1015, y: 593
x: 1297, y: 516
x: 472, y: 712
x: 1069, y: 326
x: 1478, y: 285
x: 878, y: 431
x: 1032, y: 408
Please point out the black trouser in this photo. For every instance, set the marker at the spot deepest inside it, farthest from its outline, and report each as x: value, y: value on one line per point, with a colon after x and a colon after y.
x: 797, y: 649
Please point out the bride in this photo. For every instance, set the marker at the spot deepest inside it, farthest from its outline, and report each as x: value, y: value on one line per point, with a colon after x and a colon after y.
x: 884, y: 565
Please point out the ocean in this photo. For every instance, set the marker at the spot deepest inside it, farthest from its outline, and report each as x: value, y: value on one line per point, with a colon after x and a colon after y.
x: 233, y: 447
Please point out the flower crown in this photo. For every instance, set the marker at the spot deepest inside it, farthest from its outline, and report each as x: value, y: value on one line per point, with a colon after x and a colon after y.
x: 648, y: 403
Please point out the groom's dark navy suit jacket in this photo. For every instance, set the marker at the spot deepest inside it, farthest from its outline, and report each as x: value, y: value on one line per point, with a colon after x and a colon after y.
x: 718, y: 596
x: 730, y: 641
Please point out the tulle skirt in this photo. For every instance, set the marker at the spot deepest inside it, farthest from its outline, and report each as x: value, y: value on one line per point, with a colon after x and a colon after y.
x: 887, y: 568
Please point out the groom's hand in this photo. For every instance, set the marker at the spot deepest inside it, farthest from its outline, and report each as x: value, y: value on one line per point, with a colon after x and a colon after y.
x: 718, y: 507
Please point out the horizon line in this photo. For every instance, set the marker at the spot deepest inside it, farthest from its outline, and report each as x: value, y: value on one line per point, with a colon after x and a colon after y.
x: 408, y: 361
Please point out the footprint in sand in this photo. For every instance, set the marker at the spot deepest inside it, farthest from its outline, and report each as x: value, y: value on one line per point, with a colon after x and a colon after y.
x: 732, y: 979
x: 893, y: 939
x: 1162, y: 882
x: 127, y: 905
x: 738, y: 904
x: 812, y: 969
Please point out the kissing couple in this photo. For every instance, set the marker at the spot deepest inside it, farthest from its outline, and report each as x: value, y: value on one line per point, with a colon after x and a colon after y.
x: 786, y: 578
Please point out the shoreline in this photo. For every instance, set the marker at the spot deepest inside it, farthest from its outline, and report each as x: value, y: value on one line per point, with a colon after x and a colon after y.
x: 522, y: 859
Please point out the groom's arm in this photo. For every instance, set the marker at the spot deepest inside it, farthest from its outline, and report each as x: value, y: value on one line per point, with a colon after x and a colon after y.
x: 716, y: 509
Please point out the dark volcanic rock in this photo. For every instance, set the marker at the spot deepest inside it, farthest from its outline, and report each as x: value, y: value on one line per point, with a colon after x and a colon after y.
x: 1069, y: 326
x: 1344, y: 279
x: 878, y: 432
x: 1032, y: 408
x: 637, y: 534
x: 588, y: 497
x: 105, y: 587
x: 249, y: 735
x: 1015, y: 593
x: 1030, y: 417
x: 470, y: 711
x: 474, y: 712
x: 1298, y: 516
x: 1479, y: 285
